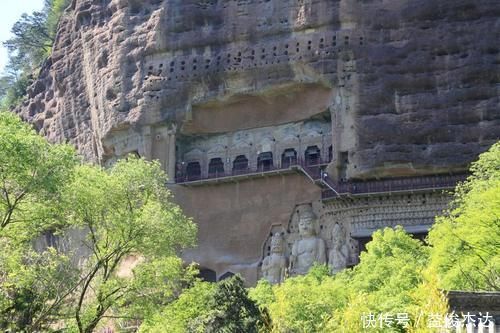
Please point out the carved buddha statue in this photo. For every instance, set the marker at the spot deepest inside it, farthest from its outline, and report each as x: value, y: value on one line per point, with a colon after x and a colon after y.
x: 274, y: 265
x: 339, y: 253
x: 309, y: 248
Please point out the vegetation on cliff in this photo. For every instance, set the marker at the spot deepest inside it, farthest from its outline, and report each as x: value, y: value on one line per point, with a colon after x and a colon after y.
x: 31, y: 44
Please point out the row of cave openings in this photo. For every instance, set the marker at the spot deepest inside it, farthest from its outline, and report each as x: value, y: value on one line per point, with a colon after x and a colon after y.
x: 192, y: 170
x: 206, y: 4
x: 247, y: 59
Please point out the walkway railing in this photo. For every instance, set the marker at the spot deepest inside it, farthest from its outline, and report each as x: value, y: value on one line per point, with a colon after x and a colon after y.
x: 332, y: 189
x: 391, y: 185
x: 313, y: 168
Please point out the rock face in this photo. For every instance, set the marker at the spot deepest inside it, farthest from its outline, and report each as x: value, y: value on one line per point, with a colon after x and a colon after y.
x: 409, y: 88
x: 413, y: 86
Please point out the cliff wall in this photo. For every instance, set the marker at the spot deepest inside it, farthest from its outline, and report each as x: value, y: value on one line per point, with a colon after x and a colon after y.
x: 412, y: 86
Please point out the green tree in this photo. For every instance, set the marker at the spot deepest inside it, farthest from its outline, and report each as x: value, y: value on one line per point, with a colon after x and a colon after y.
x: 34, y: 287
x: 54, y: 9
x: 34, y: 35
x: 428, y: 301
x: 390, y: 269
x: 13, y: 88
x: 31, y: 42
x: 231, y: 311
x: 126, y: 212
x: 100, y: 220
x: 466, y: 241
x: 303, y: 303
x: 385, y: 280
x: 32, y: 175
x: 194, y: 302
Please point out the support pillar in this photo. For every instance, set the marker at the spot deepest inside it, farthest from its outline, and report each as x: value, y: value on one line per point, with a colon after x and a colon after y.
x: 171, y: 162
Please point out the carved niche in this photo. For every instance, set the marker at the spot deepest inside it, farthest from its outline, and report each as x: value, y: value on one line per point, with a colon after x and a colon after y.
x: 310, y: 238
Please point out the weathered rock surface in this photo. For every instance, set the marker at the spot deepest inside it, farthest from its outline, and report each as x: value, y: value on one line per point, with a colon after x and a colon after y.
x: 412, y: 86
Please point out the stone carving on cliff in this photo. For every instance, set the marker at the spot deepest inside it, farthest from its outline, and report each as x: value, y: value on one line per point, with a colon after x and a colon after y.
x: 338, y: 256
x: 354, y: 251
x: 307, y: 241
x: 309, y: 248
x: 275, y: 264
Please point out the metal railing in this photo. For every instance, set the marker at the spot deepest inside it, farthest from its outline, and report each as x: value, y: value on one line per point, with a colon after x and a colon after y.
x: 334, y: 189
x: 391, y: 185
x: 240, y: 171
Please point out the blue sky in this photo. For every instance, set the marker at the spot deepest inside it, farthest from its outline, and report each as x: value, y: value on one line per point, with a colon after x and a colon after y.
x: 9, y: 14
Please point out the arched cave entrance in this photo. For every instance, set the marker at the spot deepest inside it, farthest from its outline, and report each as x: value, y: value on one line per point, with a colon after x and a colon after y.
x: 193, y: 171
x: 215, y: 168
x: 265, y: 161
x: 288, y: 158
x: 240, y: 165
x: 312, y: 155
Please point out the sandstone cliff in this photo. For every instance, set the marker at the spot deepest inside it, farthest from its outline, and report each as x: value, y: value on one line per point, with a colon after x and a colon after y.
x: 412, y: 86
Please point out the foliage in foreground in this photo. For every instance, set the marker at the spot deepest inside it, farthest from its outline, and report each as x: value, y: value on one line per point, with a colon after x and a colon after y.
x: 127, y: 212
x: 466, y: 242
x: 207, y: 307
x: 97, y: 222
x: 388, y: 280
x: 176, y: 317
x: 231, y: 311
x: 32, y: 175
